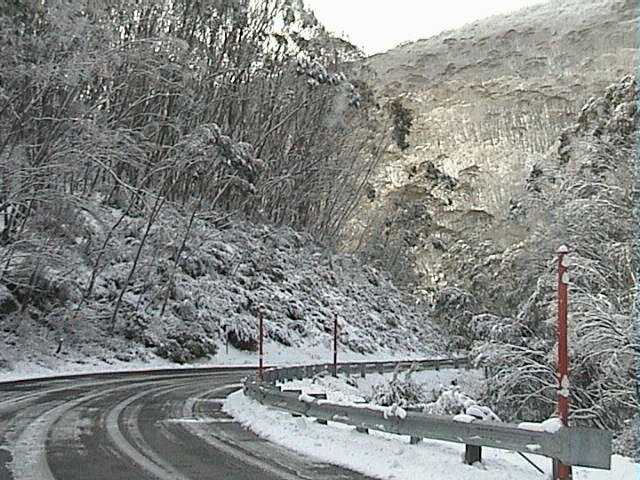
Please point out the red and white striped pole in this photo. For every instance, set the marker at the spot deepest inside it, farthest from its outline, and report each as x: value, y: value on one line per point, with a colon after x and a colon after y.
x: 260, y: 341
x: 335, y: 345
x: 563, y: 472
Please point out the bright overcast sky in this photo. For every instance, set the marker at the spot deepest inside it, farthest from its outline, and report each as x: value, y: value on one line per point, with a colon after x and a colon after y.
x: 378, y: 25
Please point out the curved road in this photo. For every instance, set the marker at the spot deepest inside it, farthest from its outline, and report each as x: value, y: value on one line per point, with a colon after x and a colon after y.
x: 147, y: 425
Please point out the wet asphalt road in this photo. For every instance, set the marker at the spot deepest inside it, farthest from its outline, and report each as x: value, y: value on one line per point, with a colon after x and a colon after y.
x: 160, y: 425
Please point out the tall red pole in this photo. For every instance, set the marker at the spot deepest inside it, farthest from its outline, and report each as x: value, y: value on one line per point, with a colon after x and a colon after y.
x: 563, y: 472
x: 335, y: 345
x: 260, y: 342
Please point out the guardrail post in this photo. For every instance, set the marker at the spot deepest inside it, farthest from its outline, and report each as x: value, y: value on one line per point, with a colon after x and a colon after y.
x: 363, y: 370
x: 380, y: 369
x: 437, y: 365
x: 320, y: 396
x: 472, y: 454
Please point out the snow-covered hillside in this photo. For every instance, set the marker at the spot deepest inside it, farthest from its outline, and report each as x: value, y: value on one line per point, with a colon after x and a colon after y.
x: 185, y: 308
x: 489, y: 102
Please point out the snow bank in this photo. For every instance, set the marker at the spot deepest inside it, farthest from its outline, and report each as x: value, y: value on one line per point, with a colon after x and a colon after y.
x: 75, y: 363
x: 390, y: 457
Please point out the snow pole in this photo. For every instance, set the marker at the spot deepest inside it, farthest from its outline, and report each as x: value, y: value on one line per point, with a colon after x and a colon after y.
x: 260, y: 341
x: 561, y: 471
x: 335, y: 345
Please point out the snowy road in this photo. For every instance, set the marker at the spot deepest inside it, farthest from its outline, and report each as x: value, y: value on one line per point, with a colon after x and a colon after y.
x: 142, y: 425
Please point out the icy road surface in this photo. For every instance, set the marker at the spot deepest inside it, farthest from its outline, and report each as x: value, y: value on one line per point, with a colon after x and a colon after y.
x: 143, y: 426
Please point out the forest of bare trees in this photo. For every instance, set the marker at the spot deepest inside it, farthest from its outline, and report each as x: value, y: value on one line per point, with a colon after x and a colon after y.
x: 214, y: 107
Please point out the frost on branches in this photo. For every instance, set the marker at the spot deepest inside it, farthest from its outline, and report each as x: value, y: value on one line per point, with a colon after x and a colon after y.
x: 584, y: 197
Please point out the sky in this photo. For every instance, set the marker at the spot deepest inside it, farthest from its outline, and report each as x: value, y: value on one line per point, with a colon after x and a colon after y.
x: 378, y: 25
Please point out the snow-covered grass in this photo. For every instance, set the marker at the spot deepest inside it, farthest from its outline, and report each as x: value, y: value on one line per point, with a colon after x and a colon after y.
x: 391, y: 457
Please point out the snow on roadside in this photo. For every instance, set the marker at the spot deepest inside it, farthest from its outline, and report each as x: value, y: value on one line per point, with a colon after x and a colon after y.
x: 551, y: 425
x: 78, y: 364
x: 390, y: 457
x: 356, y: 389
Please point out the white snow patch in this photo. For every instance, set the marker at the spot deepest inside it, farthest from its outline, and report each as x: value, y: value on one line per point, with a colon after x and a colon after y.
x: 531, y: 426
x: 564, y: 387
x: 393, y: 411
x: 552, y: 425
x: 306, y: 398
x: 464, y: 418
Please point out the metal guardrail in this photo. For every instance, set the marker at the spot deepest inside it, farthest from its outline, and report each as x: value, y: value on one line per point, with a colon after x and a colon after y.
x: 585, y: 447
x: 276, y: 374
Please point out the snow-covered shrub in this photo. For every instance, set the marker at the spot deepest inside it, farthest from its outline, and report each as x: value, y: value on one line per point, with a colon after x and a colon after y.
x: 134, y: 327
x: 185, y: 347
x: 627, y: 441
x: 242, y: 333
x: 448, y: 401
x: 453, y: 310
x: 404, y: 392
x: 186, y: 310
x: 493, y: 328
x: 172, y: 351
x: 280, y: 334
x: 38, y: 280
x: 195, y: 266
x: 8, y: 302
x: 360, y: 345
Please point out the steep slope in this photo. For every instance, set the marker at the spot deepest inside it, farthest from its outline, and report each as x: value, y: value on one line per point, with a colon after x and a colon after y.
x: 131, y: 134
x: 490, y: 101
